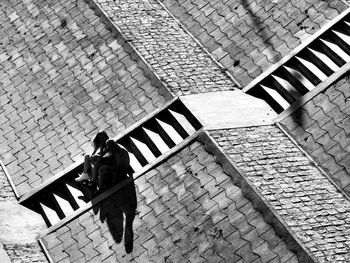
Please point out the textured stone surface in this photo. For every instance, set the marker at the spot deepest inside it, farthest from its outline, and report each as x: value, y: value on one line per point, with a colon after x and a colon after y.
x: 63, y: 78
x: 322, y: 126
x: 6, y: 192
x: 305, y: 198
x: 25, y: 253
x: 177, y: 59
x: 3, y: 255
x: 248, y: 37
x: 189, y: 210
x: 19, y: 225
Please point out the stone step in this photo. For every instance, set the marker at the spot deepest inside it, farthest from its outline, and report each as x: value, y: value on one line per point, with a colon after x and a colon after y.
x: 315, y: 61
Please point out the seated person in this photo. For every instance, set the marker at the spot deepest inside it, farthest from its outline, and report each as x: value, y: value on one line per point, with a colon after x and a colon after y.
x: 113, y: 167
x: 99, y: 143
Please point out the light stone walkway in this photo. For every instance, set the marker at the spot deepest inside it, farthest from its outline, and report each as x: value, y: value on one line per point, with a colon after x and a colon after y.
x: 305, y: 198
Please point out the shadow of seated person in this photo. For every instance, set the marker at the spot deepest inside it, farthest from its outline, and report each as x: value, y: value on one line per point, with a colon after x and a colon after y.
x: 113, y: 209
x: 113, y: 168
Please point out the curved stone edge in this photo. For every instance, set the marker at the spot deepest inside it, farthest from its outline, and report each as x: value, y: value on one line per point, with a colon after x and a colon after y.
x: 269, y: 213
x: 110, y: 25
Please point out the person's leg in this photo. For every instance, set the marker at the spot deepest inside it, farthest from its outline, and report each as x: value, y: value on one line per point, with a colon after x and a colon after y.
x: 129, y: 233
x: 87, y: 164
x: 85, y: 176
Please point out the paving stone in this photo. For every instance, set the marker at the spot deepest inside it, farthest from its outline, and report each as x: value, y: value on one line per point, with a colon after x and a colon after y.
x: 30, y: 252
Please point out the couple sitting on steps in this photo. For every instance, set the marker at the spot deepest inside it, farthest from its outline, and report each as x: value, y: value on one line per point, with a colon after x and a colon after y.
x: 106, y: 167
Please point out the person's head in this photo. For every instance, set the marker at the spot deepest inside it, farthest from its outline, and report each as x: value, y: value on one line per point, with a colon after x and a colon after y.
x: 100, y: 140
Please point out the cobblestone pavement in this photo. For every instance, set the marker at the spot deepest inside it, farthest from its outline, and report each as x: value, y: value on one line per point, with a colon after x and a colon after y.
x: 64, y: 77
x: 189, y: 210
x: 304, y: 197
x: 6, y: 191
x: 27, y: 253
x: 249, y: 36
x: 321, y: 127
x: 177, y: 59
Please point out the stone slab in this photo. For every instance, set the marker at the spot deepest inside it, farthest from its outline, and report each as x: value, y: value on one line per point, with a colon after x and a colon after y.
x: 229, y: 109
x: 19, y: 225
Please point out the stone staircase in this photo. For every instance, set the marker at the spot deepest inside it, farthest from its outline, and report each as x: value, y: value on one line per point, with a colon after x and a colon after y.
x: 61, y: 200
x: 145, y: 141
x: 310, y: 64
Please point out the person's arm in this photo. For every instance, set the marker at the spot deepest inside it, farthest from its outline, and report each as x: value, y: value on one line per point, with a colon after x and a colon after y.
x: 96, y: 147
x: 95, y: 150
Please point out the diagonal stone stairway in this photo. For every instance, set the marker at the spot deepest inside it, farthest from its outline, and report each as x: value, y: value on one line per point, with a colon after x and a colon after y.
x: 312, y: 65
x: 248, y: 37
x: 148, y: 140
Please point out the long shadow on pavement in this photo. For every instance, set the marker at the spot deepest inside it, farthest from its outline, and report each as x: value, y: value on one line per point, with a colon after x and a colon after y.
x: 113, y: 209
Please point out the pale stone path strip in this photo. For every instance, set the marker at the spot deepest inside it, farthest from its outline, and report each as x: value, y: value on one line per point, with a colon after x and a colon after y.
x: 310, y: 204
